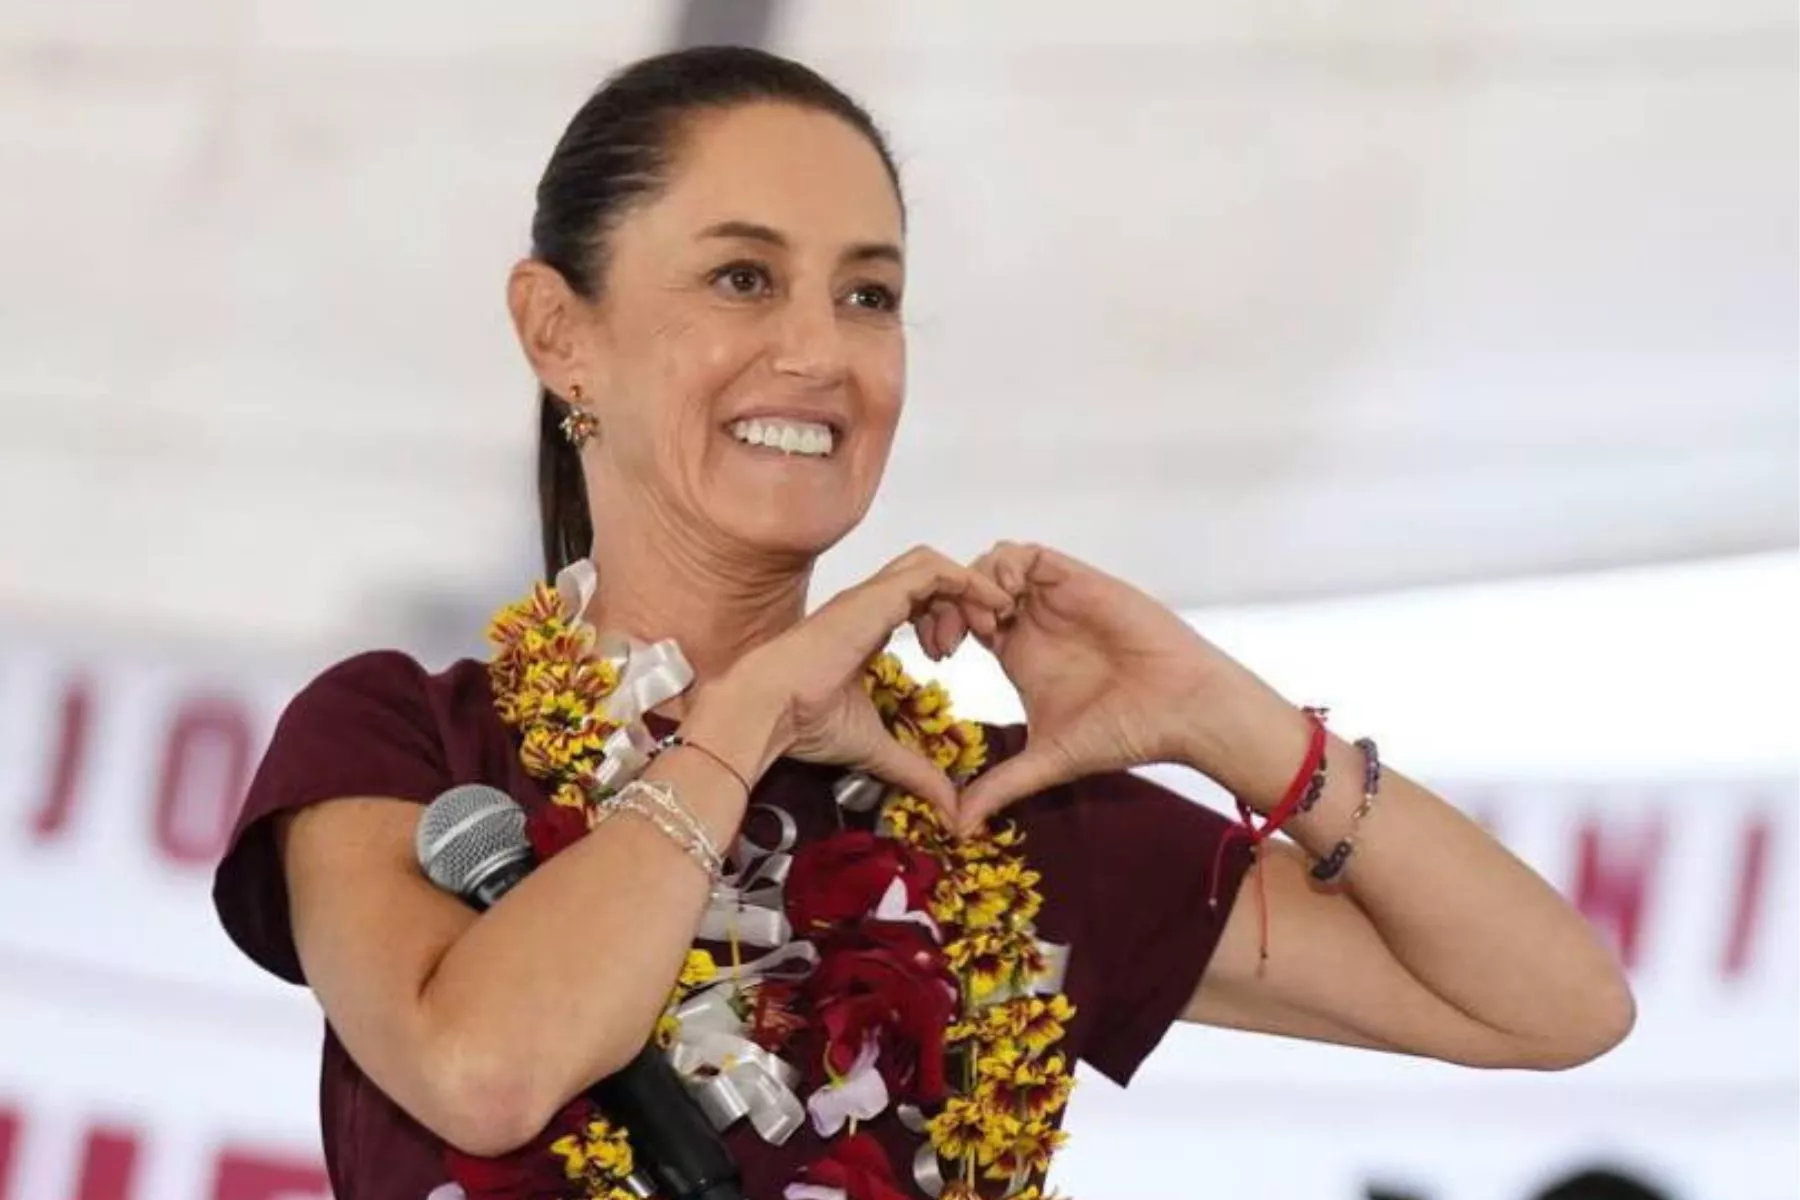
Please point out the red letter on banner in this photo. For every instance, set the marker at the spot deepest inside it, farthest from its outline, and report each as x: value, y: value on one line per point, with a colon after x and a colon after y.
x: 65, y: 770
x: 9, y: 1141
x: 243, y: 1175
x: 108, y: 1163
x: 1612, y: 886
x: 205, y: 769
x: 1746, y: 910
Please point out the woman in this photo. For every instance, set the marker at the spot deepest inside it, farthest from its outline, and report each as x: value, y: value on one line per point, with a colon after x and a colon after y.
x: 712, y: 308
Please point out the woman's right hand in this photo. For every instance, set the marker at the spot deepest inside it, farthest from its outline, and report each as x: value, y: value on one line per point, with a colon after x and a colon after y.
x: 808, y: 685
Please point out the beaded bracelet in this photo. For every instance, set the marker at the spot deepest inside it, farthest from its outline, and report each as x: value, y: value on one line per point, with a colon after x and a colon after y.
x: 1329, y: 868
x: 657, y: 803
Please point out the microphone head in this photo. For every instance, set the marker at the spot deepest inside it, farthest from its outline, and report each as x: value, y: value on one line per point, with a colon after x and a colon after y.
x: 467, y: 834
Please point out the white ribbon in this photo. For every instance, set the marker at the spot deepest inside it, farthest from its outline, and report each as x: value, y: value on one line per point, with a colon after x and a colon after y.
x: 859, y: 793
x: 575, y: 585
x: 649, y: 675
x: 747, y: 905
x: 623, y: 757
x: 731, y: 1076
x: 653, y: 675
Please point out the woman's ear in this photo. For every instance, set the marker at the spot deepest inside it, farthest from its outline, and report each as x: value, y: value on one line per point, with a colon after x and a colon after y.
x: 546, y: 316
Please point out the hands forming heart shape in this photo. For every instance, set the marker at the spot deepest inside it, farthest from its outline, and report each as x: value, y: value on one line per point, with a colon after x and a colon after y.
x: 1109, y: 678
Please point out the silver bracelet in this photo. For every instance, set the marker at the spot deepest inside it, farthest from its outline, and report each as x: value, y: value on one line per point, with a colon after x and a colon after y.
x: 658, y: 803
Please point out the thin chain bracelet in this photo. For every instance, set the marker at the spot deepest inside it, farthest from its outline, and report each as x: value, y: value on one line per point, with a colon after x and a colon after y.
x: 666, y: 826
x: 657, y: 803
x: 1331, y: 867
x: 669, y: 800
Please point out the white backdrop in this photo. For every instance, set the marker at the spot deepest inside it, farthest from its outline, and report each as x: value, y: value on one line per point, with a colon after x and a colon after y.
x: 1631, y: 735
x: 1325, y: 297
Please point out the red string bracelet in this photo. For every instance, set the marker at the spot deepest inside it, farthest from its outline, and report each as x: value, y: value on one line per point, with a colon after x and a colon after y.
x: 1301, y: 795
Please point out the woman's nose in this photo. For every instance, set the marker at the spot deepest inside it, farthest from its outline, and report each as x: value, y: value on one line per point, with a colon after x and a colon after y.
x: 810, y: 344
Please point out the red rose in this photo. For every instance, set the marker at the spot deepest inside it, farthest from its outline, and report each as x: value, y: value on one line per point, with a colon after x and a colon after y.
x: 532, y: 1172
x: 555, y: 827
x: 859, y: 1166
x: 886, y: 980
x: 844, y: 877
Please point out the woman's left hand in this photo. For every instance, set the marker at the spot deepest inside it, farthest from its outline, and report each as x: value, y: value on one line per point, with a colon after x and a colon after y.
x: 1109, y: 679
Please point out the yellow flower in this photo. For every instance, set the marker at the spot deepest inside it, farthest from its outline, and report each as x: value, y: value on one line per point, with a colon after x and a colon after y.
x: 967, y: 1129
x: 698, y: 969
x: 570, y: 795
x: 971, y: 748
x: 917, y: 823
x: 1003, y: 888
x: 1028, y: 1152
x: 999, y: 1062
x: 978, y: 959
x: 1036, y: 1089
x: 1044, y: 1022
x: 1001, y: 1021
x: 600, y: 1155
x: 946, y: 902
x: 928, y: 710
x: 991, y: 959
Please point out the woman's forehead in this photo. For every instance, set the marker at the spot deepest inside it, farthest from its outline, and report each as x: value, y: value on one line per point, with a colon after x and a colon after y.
x: 809, y: 176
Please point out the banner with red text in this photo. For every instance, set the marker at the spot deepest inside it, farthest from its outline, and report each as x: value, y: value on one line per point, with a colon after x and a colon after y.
x: 141, y: 1058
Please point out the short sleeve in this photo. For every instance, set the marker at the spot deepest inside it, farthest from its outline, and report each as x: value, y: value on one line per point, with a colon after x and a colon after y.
x: 365, y: 727
x: 1161, y: 879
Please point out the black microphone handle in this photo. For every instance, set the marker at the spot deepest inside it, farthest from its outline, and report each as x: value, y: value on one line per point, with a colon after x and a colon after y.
x: 670, y: 1134
x: 668, y: 1129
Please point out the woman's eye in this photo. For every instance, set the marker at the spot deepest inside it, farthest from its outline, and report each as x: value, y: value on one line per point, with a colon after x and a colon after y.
x: 875, y: 297
x: 741, y: 280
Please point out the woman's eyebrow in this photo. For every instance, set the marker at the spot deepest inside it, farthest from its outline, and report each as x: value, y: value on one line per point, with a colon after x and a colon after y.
x: 753, y: 232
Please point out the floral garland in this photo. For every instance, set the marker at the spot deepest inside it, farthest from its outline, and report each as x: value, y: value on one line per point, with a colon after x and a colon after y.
x: 883, y: 985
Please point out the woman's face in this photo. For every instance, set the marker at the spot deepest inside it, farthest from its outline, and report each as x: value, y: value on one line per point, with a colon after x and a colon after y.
x: 746, y: 357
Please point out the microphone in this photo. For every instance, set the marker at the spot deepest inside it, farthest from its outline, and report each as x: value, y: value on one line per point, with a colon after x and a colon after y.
x: 471, y: 841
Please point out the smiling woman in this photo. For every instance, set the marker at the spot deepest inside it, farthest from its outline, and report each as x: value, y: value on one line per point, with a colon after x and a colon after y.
x: 873, y: 939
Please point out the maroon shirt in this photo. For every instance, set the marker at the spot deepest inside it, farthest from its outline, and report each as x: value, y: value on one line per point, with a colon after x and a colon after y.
x: 1126, y: 878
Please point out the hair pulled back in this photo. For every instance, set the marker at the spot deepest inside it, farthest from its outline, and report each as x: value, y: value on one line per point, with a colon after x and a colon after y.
x: 617, y: 152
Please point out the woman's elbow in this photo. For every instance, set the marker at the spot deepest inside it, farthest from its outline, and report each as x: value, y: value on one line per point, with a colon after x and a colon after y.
x: 1584, y: 1035
x: 489, y: 1104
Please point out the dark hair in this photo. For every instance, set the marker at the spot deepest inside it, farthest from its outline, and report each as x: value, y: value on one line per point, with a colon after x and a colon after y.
x: 1601, y: 1184
x: 617, y: 152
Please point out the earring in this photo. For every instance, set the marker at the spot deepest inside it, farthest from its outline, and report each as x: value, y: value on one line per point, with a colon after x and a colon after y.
x: 578, y: 425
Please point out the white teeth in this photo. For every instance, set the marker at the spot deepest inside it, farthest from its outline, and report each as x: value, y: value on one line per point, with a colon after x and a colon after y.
x: 789, y: 437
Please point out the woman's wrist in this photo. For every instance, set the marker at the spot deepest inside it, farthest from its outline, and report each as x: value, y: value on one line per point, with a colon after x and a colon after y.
x: 1254, y: 750
x: 732, y: 719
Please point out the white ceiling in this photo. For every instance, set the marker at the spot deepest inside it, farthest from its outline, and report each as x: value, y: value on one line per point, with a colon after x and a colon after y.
x: 1240, y: 303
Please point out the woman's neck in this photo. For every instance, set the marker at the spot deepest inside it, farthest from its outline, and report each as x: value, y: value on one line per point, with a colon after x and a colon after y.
x: 716, y: 607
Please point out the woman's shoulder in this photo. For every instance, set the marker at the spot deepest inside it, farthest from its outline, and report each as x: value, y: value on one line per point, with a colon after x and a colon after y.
x: 396, y: 676
x: 375, y: 724
x: 391, y: 693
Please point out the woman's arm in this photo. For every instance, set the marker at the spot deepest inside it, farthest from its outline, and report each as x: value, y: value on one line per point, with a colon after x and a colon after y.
x: 483, y: 1028
x: 1444, y: 944
x: 1439, y: 942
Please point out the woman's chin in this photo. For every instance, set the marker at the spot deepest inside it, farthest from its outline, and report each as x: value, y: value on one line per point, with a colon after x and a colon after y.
x: 789, y: 535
